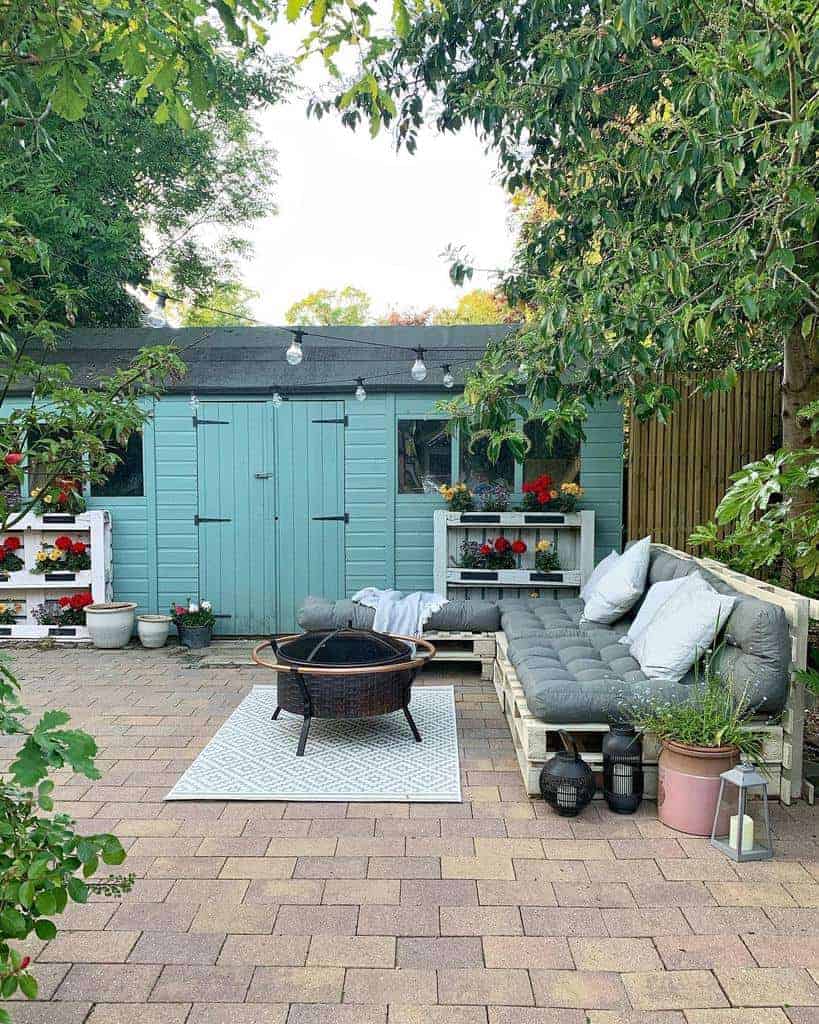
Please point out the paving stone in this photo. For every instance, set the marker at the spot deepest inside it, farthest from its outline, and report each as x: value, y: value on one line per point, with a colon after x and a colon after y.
x: 265, y: 950
x: 614, y: 954
x: 531, y: 1015
x: 373, y: 846
x: 108, y: 983
x: 603, y: 894
x: 362, y: 893
x: 483, y: 866
x: 128, y: 1013
x: 744, y: 1016
x: 258, y: 867
x: 237, y: 1013
x: 480, y: 921
x: 331, y: 867
x: 578, y: 989
x: 245, y: 919
x: 296, y: 985
x: 561, y: 921
x: 671, y: 894
x: 439, y: 952
x: 191, y: 984
x: 329, y: 1013
x: 404, y: 867
x: 766, y: 986
x: 673, y: 990
x: 207, y: 890
x: 636, y: 1017
x: 176, y: 948
x: 51, y: 1013
x: 479, y: 986
x: 184, y: 867
x: 452, y: 892
x: 398, y: 920
x: 405, y: 1014
x: 684, y: 952
x: 316, y: 921
x: 301, y: 846
x: 783, y: 951
x: 353, y: 951
x: 516, y: 894
x: 528, y: 951
x: 726, y: 920
x: 290, y: 891
x: 89, y: 948
x: 382, y: 987
x: 577, y: 849
x: 750, y: 894
x: 790, y: 921
x: 174, y: 915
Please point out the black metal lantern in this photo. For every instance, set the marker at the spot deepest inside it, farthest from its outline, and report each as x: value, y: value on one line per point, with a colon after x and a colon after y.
x: 623, y: 769
x: 566, y: 782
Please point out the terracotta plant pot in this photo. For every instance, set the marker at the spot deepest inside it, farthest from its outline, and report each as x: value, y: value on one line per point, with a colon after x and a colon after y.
x: 688, y: 786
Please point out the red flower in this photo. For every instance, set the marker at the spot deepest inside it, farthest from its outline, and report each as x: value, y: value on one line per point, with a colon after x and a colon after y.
x: 62, y: 498
x: 25, y: 962
x: 486, y: 549
x: 12, y: 543
x: 63, y: 543
x: 78, y: 601
x: 518, y: 547
x: 78, y: 548
x: 65, y: 602
x: 13, y: 458
x: 501, y: 545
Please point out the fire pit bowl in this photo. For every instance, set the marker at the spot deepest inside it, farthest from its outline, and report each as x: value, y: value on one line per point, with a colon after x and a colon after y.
x: 344, y: 673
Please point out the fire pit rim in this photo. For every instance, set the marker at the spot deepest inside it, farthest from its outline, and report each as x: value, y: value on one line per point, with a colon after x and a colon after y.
x: 347, y: 670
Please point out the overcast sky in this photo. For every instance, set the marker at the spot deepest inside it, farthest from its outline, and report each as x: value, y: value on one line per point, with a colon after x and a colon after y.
x: 353, y: 211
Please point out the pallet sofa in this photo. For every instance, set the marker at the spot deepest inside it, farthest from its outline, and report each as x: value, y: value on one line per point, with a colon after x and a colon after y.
x: 552, y: 672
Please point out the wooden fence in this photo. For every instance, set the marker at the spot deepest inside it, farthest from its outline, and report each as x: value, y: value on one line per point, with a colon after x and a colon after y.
x: 677, y: 473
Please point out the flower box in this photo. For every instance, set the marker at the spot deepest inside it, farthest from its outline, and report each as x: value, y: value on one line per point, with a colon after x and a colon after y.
x: 47, y: 580
x: 514, y: 577
x: 32, y: 631
x: 504, y: 519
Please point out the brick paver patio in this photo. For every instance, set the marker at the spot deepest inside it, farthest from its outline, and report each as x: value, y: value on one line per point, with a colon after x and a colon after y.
x: 494, y: 911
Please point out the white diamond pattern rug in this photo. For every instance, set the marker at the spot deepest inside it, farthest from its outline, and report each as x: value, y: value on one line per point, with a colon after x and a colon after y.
x: 363, y: 759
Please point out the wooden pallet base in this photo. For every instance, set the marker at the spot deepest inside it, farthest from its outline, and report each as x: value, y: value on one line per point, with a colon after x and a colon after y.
x: 465, y: 648
x: 536, y: 742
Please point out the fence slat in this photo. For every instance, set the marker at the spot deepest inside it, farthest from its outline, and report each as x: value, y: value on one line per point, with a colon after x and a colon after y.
x: 678, y: 472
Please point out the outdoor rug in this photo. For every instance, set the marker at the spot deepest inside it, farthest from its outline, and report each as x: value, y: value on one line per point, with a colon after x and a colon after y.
x: 363, y: 759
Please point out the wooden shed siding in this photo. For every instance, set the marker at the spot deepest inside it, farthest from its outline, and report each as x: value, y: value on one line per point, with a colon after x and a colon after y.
x: 368, y: 493
x: 177, y: 554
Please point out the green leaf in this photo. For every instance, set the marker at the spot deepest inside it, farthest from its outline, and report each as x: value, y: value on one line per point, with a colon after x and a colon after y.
x: 294, y: 9
x: 45, y: 929
x: 28, y: 985
x: 46, y: 904
x: 13, y: 923
x: 67, y: 99
x: 77, y: 890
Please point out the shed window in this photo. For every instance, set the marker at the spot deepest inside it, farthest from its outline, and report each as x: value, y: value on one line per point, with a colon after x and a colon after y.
x: 479, y: 472
x: 126, y: 480
x: 424, y: 456
x: 560, y: 458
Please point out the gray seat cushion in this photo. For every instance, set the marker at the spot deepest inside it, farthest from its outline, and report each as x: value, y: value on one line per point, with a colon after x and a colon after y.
x: 573, y: 672
x: 454, y: 617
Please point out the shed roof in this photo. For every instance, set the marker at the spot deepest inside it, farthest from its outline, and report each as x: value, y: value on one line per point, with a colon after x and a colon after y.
x: 250, y: 360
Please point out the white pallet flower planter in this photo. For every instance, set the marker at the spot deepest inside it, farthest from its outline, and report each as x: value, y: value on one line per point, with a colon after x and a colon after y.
x: 570, y: 534
x: 28, y: 589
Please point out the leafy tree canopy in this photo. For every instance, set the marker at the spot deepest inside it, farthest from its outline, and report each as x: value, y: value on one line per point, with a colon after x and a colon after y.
x: 478, y: 306
x: 673, y: 145
x: 226, y: 305
x: 346, y: 306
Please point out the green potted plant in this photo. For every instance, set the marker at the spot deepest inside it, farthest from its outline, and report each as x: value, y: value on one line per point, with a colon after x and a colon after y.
x: 699, y: 739
x: 194, y: 623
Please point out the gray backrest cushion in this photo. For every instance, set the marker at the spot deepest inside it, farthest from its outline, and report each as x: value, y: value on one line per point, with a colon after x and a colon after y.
x: 454, y: 617
x: 756, y: 649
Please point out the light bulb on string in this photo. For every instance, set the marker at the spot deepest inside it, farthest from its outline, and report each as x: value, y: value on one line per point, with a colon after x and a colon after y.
x: 277, y: 400
x: 295, y: 353
x: 523, y: 372
x: 194, y: 404
x: 157, y: 317
x: 360, y: 391
x: 448, y: 379
x: 419, y: 369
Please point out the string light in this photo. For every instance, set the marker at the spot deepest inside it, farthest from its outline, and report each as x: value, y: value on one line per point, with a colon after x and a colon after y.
x: 523, y: 372
x: 419, y: 369
x: 360, y: 391
x: 295, y: 353
x: 277, y: 400
x: 448, y: 380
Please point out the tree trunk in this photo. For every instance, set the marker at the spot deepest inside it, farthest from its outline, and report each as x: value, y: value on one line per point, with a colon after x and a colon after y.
x: 800, y: 385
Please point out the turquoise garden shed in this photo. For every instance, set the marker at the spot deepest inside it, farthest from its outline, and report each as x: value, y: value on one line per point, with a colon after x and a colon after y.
x: 256, y: 482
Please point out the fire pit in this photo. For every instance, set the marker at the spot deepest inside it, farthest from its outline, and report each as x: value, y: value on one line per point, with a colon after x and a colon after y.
x: 345, y: 673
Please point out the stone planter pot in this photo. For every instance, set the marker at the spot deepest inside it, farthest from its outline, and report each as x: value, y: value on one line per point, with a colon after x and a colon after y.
x: 194, y: 637
x: 153, y: 629
x: 688, y: 786
x: 110, y: 625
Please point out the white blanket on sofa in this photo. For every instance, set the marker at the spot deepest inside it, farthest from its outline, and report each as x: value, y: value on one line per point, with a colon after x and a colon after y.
x: 404, y: 614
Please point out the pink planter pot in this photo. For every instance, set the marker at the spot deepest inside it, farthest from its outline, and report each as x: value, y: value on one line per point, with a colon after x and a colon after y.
x: 688, y: 786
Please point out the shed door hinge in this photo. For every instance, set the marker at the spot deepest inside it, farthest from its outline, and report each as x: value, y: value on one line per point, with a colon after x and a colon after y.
x: 345, y: 420
x: 334, y: 519
x: 201, y: 423
x: 198, y: 520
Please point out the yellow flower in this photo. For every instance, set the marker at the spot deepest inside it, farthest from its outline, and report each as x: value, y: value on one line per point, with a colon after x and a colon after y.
x: 48, y: 499
x: 2, y: 609
x: 41, y: 556
x: 55, y: 555
x: 35, y: 492
x: 543, y: 545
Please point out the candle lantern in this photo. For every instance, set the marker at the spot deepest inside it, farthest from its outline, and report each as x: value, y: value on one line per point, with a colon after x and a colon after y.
x: 623, y: 769
x: 743, y: 803
x: 567, y: 782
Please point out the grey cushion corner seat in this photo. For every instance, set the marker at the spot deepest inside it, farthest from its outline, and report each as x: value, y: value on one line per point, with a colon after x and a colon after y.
x: 579, y: 673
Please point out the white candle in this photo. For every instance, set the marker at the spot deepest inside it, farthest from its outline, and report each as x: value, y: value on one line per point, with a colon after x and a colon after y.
x: 747, y: 833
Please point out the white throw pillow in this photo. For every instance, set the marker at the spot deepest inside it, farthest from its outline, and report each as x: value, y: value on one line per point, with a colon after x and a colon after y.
x: 621, y: 587
x: 655, y: 598
x: 598, y: 572
x: 682, y: 631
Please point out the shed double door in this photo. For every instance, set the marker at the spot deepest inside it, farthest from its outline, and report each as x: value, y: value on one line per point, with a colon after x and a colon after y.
x: 271, y: 510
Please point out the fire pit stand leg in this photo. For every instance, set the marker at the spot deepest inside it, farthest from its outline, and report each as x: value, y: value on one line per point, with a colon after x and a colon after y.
x: 308, y: 714
x: 276, y: 713
x: 305, y: 729
x: 412, y: 724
